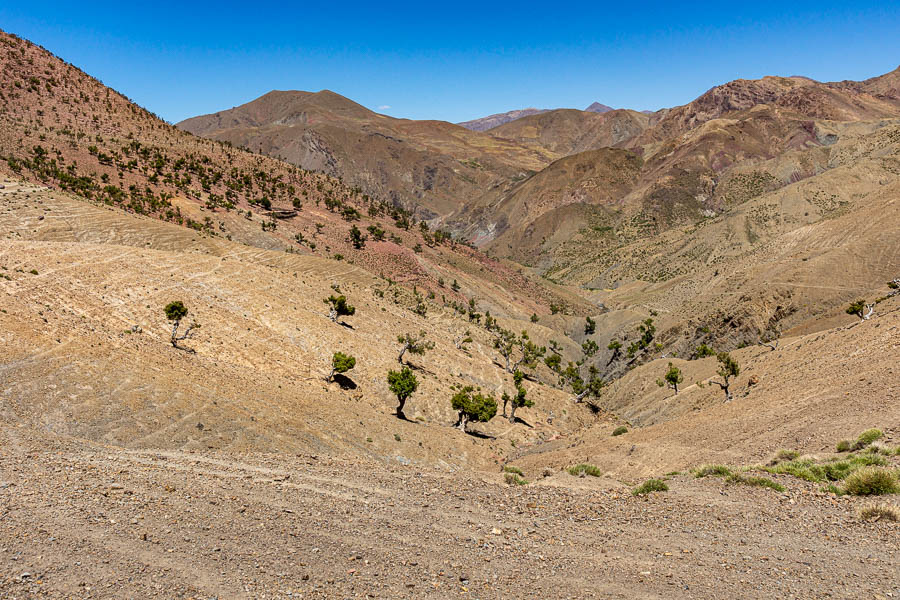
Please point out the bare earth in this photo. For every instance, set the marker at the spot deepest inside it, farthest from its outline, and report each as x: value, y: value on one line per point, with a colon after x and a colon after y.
x: 89, y: 521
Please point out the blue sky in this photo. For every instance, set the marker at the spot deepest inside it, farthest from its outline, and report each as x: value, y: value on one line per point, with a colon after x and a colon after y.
x: 456, y: 61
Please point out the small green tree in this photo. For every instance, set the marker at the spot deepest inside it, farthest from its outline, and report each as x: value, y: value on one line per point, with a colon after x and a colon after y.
x: 520, y: 399
x: 672, y: 378
x: 339, y: 307
x: 861, y: 309
x: 728, y: 368
x: 703, y: 351
x: 590, y: 326
x: 535, y: 318
x: 175, y: 312
x: 616, y: 347
x: 589, y: 348
x: 357, y: 238
x: 414, y: 344
x: 402, y: 383
x: 553, y: 362
x: 340, y: 363
x: 473, y: 406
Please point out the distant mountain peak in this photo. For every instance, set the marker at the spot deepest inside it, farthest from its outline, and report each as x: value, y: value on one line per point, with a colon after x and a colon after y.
x: 491, y: 121
x: 598, y: 108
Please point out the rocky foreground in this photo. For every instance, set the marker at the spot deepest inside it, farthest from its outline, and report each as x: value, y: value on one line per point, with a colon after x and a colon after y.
x: 91, y: 521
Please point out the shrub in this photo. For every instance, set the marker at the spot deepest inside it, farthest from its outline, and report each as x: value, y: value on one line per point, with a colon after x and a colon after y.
x: 340, y: 363
x: 582, y: 469
x: 649, y: 486
x: 844, y: 446
x: 867, y: 437
x: 513, y: 479
x: 473, y: 406
x: 755, y: 481
x: 786, y: 455
x: 714, y: 470
x: 871, y: 481
x: 339, y: 307
x: 620, y: 430
x: 834, y: 470
x: 878, y: 512
x: 512, y: 469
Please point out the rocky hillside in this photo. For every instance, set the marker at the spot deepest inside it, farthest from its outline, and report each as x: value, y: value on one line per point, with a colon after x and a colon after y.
x: 491, y: 121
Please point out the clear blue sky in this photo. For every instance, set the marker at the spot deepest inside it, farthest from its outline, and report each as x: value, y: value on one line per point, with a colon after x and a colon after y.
x: 459, y: 61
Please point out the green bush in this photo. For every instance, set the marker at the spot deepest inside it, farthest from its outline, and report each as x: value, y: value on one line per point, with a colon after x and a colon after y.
x: 872, y: 481
x: 649, y: 486
x: 786, y: 455
x: 580, y: 470
x: 512, y: 469
x: 755, y: 481
x: 620, y: 430
x: 844, y: 446
x: 834, y: 470
x: 714, y: 470
x: 513, y: 479
x: 867, y: 437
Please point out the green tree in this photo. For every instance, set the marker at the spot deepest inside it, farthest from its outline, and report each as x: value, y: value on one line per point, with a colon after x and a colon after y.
x: 728, y: 368
x: 340, y: 363
x: 672, y: 378
x: 703, y: 351
x: 520, y: 399
x: 414, y: 344
x: 616, y: 347
x: 402, y: 383
x: 357, y: 238
x: 339, y: 307
x: 589, y: 348
x: 175, y: 312
x: 553, y: 362
x: 473, y: 406
x: 590, y: 326
x: 861, y: 309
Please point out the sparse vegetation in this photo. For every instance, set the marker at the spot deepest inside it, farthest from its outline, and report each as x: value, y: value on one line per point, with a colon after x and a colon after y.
x: 650, y: 486
x: 582, y: 469
x: 879, y: 512
x: 728, y: 368
x: 621, y: 429
x: 672, y: 378
x: 872, y: 481
x: 755, y: 481
x: 514, y: 479
x: 513, y: 469
x: 473, y: 406
x: 403, y: 384
x: 339, y: 307
x: 414, y: 344
x: 712, y: 470
x: 867, y: 437
x: 175, y: 312
x: 340, y: 363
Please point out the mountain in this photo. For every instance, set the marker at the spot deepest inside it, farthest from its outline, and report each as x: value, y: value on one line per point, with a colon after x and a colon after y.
x: 596, y: 107
x: 491, y: 121
x: 427, y: 166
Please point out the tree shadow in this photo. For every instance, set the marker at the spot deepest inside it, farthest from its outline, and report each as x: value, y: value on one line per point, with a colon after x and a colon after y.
x: 484, y: 436
x: 345, y: 324
x: 345, y: 382
x: 523, y: 422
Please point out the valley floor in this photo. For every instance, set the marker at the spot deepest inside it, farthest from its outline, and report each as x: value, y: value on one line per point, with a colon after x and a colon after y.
x: 84, y: 520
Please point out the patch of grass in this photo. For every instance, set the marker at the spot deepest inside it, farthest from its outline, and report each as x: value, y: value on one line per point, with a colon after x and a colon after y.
x: 580, y: 470
x: 649, y: 486
x: 783, y: 454
x: 844, y: 446
x: 397, y: 437
x: 368, y: 439
x: 714, y: 470
x: 755, y: 481
x: 513, y: 479
x: 872, y: 481
x: 512, y: 469
x: 834, y: 470
x: 620, y: 430
x: 834, y: 490
x: 867, y: 437
x: 673, y: 473
x: 879, y: 512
